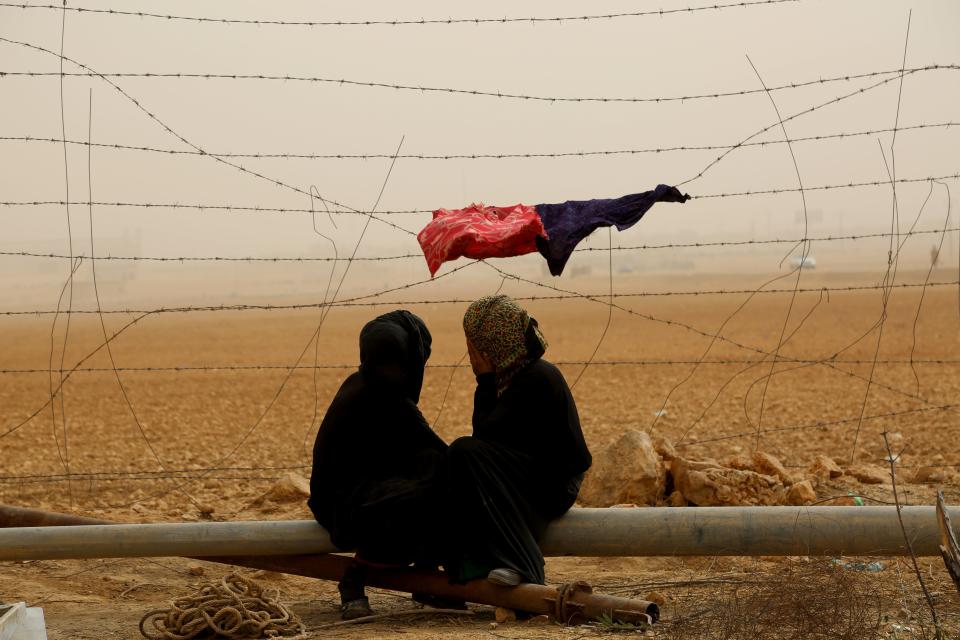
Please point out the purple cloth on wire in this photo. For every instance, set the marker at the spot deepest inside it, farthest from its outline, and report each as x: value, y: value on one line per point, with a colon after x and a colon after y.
x: 570, y: 222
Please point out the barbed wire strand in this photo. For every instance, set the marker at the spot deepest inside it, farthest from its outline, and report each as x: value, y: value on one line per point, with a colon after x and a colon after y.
x: 342, y: 367
x: 606, y: 326
x: 824, y: 424
x: 65, y: 457
x: 396, y: 22
x: 141, y: 429
x: 804, y: 254
x: 285, y: 210
x: 50, y: 368
x: 893, y: 261
x: 926, y: 279
x: 419, y: 256
x: 357, y: 301
x: 177, y: 75
x: 479, y: 156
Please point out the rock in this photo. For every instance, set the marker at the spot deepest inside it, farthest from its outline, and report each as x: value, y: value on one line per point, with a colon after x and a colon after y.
x: 292, y: 488
x: 656, y: 597
x: 823, y: 468
x: 703, y: 485
x: 869, y: 474
x: 762, y: 463
x: 139, y: 509
x: 801, y: 493
x: 677, y: 500
x: 541, y: 619
x: 769, y: 465
x: 205, y: 510
x: 931, y: 475
x: 196, y: 570
x: 502, y: 615
x: 663, y: 448
x: 625, y: 505
x: 625, y: 471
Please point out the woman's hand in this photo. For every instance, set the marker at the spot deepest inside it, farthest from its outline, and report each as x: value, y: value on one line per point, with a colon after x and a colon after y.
x: 480, y: 363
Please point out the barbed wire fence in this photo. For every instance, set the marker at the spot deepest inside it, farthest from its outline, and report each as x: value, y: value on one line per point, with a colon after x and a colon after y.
x: 754, y: 356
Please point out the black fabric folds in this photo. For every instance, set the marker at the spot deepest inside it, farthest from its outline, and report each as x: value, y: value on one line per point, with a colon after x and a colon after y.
x: 375, y: 459
x: 521, y: 469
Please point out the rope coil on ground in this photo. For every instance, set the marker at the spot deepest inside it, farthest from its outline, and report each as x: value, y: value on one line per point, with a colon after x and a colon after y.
x: 233, y: 607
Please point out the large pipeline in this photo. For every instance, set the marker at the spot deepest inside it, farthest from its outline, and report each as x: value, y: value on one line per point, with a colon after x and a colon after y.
x: 571, y: 603
x: 699, y: 531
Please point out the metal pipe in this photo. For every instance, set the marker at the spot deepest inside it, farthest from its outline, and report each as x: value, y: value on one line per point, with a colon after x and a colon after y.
x: 570, y: 603
x: 700, y: 531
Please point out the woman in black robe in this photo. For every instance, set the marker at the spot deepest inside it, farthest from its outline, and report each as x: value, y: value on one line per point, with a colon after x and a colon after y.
x: 375, y: 458
x: 524, y: 463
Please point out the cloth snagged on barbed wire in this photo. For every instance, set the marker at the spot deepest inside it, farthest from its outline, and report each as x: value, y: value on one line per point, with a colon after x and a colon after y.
x: 234, y: 607
x: 479, y: 231
x: 570, y: 222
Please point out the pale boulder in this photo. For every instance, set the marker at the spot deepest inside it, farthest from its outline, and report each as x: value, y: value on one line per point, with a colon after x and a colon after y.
x: 664, y: 448
x: 823, y: 468
x: 705, y: 485
x: 769, y: 465
x: 626, y: 471
x: 869, y: 474
x: 930, y: 475
x: 801, y: 493
x: 291, y: 488
x: 762, y: 463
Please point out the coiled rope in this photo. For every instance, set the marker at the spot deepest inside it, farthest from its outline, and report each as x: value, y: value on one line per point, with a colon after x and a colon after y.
x: 233, y: 607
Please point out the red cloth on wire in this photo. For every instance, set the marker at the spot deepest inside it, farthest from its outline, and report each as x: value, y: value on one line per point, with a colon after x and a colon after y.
x: 480, y: 232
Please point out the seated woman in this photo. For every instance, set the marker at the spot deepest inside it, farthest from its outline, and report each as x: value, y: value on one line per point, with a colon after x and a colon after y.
x: 524, y: 463
x: 375, y: 458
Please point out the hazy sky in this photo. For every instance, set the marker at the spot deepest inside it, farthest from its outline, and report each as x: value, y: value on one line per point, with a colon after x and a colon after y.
x: 673, y: 55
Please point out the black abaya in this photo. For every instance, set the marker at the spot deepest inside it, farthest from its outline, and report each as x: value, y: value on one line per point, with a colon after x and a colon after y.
x: 375, y: 458
x: 521, y: 468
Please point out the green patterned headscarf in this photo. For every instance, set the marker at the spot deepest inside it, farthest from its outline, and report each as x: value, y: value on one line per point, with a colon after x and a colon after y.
x: 505, y: 333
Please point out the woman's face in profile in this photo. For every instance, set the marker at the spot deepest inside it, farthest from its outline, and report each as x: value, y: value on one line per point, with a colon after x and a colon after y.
x: 479, y: 362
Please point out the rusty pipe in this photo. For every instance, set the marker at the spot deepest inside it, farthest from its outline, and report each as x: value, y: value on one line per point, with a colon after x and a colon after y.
x: 571, y: 603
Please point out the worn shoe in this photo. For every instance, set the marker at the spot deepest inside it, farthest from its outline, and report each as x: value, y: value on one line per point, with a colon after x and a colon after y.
x: 353, y: 609
x: 504, y: 577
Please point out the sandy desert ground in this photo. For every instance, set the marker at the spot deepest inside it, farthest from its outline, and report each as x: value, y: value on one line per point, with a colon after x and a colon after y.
x: 199, y: 439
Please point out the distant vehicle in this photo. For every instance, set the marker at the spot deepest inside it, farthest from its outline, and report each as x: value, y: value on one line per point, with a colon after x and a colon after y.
x: 807, y: 262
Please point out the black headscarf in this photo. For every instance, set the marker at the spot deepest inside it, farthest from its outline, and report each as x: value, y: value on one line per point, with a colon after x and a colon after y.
x: 375, y: 455
x: 394, y: 349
